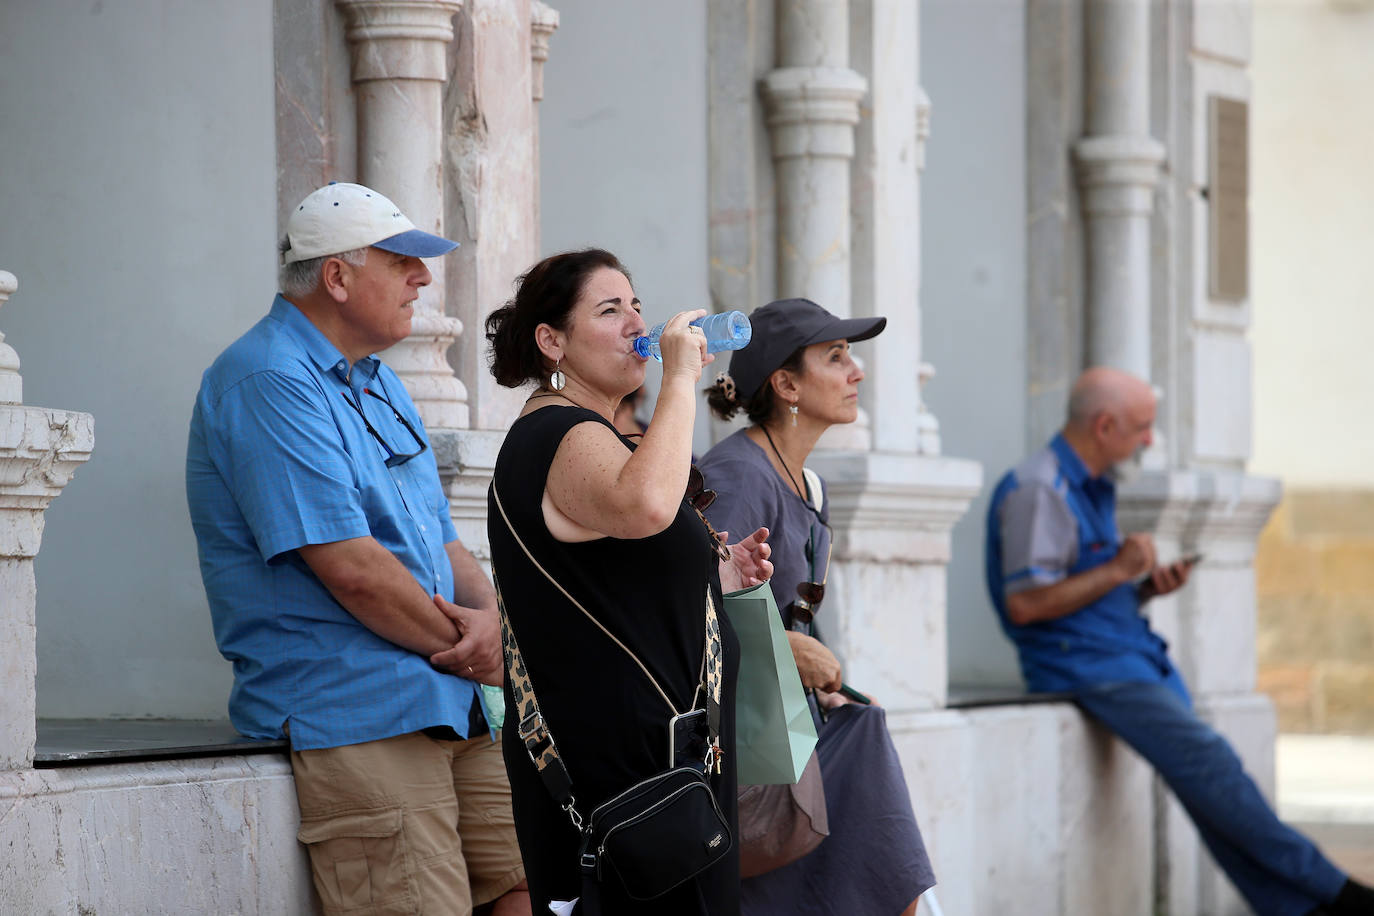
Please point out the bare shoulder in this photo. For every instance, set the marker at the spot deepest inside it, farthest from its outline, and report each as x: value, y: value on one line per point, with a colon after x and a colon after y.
x: 585, y: 467
x: 589, y: 458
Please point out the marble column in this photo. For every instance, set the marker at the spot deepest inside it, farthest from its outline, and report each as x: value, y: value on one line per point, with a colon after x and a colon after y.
x: 39, y: 451
x: 1118, y: 173
x: 812, y: 103
x: 893, y: 499
x: 812, y: 100
x: 399, y: 67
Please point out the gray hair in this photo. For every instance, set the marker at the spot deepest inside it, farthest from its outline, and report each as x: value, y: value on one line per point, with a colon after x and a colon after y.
x: 300, y: 278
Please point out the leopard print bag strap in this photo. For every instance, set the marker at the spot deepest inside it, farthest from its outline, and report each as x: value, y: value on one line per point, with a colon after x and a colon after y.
x: 533, y: 732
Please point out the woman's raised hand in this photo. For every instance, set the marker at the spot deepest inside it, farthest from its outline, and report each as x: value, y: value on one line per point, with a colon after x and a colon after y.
x: 749, y: 564
x: 684, y: 347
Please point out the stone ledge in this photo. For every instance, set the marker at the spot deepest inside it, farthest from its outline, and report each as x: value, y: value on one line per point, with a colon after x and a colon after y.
x: 89, y: 742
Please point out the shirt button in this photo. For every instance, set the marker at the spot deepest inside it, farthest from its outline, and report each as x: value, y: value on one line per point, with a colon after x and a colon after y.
x: 423, y: 528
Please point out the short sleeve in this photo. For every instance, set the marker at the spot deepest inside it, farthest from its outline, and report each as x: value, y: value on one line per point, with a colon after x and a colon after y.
x: 1039, y: 537
x: 280, y: 451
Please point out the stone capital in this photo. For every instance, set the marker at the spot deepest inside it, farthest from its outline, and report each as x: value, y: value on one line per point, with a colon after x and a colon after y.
x: 400, y: 39
x: 1118, y: 174
x: 812, y: 110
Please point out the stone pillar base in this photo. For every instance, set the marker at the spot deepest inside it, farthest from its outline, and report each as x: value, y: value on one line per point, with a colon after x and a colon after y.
x: 884, y: 611
x: 39, y: 451
x: 466, y: 460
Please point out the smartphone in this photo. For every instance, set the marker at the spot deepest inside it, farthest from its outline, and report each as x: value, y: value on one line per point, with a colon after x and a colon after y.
x: 1146, y: 590
x: 688, y: 738
x: 854, y: 695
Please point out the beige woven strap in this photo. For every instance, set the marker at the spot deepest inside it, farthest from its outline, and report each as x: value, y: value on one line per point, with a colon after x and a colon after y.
x: 577, y: 604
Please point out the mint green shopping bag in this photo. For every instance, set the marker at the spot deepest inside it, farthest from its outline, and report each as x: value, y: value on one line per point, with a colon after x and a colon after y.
x: 774, y: 732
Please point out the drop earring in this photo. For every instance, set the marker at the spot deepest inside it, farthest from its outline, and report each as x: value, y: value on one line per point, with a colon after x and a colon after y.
x: 557, y: 380
x: 792, y: 409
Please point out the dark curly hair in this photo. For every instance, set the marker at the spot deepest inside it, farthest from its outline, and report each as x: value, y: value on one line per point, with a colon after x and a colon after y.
x: 544, y: 294
x: 725, y: 402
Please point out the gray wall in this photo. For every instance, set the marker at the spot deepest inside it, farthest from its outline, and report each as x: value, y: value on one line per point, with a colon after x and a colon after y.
x: 973, y: 261
x: 623, y: 148
x: 137, y: 207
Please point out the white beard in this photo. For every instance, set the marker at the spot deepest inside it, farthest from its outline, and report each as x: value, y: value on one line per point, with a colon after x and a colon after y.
x: 1126, y: 472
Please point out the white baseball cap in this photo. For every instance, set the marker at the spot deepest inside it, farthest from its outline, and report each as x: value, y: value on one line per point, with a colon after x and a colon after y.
x: 341, y: 217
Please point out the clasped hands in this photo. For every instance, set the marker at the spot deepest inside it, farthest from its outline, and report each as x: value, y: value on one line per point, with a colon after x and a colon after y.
x: 477, y: 654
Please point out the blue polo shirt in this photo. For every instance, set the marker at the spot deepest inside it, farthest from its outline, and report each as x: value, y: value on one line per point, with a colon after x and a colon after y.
x: 278, y: 459
x: 1049, y: 520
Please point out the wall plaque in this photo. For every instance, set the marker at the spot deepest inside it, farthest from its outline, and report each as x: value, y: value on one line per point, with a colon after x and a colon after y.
x: 1228, y: 150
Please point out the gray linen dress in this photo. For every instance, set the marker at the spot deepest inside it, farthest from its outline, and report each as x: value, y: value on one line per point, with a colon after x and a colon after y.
x: 874, y: 861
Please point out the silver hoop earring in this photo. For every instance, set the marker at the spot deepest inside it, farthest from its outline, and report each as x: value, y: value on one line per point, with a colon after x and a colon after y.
x: 792, y: 409
x: 557, y: 380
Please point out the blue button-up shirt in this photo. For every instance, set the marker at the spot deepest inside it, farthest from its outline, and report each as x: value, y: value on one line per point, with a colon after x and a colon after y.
x: 1048, y: 520
x: 278, y: 459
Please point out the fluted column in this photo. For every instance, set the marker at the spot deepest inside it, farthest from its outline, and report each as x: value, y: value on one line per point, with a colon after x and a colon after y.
x: 812, y: 101
x: 399, y: 67
x: 1118, y: 172
x: 39, y: 451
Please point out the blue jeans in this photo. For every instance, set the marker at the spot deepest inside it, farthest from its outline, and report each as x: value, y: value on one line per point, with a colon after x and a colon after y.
x: 1276, y: 869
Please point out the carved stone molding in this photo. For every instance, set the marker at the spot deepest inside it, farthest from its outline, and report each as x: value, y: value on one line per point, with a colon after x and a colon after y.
x: 888, y: 507
x: 1118, y: 174
x: 812, y: 110
x: 1221, y: 512
x: 543, y: 23
x: 40, y: 450
x: 400, y: 39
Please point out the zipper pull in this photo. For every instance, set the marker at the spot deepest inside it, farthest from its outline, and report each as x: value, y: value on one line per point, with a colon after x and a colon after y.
x: 719, y: 755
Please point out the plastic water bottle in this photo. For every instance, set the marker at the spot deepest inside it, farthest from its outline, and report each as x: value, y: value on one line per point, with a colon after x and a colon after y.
x: 724, y: 331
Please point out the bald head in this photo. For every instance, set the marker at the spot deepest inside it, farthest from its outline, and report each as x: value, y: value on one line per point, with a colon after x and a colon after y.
x: 1111, y: 414
x: 1101, y: 390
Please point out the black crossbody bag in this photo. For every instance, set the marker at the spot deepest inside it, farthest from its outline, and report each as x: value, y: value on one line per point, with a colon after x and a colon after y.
x: 662, y: 830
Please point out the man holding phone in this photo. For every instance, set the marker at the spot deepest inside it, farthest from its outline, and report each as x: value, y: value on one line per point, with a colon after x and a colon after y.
x: 1068, y: 587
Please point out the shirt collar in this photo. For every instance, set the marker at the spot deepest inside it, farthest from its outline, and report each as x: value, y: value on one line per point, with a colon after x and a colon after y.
x: 1070, y: 464
x: 322, y: 352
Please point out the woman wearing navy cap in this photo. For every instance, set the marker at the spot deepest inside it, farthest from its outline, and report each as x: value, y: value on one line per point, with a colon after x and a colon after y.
x: 794, y: 381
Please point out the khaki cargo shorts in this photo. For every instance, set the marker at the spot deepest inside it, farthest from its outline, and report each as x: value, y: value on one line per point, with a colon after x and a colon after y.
x: 408, y: 824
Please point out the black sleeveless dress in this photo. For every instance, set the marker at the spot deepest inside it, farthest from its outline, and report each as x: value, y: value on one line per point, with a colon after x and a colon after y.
x: 610, y: 725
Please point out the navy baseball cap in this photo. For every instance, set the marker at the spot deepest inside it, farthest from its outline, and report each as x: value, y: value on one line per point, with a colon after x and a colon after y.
x: 781, y: 328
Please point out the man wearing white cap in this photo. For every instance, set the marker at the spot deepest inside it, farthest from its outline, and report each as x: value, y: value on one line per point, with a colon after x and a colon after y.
x: 358, y: 626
